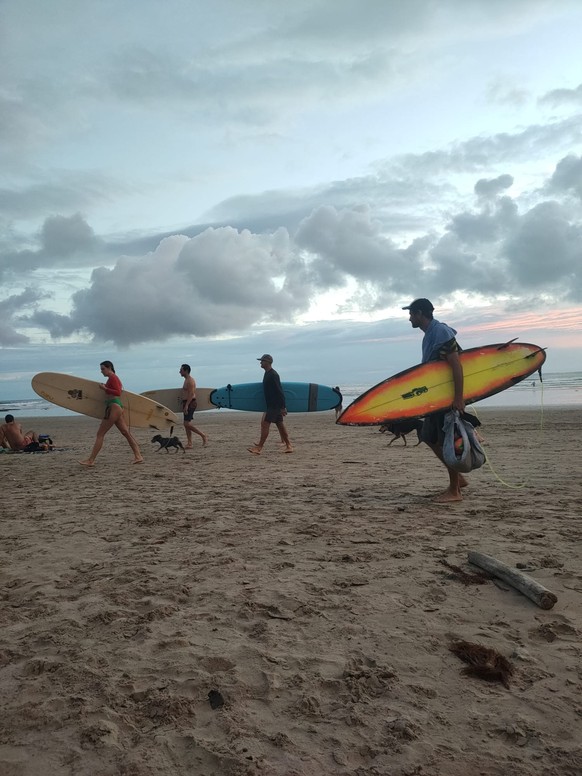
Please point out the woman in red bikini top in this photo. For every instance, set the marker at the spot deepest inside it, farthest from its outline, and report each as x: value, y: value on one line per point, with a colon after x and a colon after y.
x: 114, y: 415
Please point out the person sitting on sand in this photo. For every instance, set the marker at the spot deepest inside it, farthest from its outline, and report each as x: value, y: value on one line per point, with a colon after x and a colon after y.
x: 113, y: 415
x: 439, y: 344
x: 11, y: 435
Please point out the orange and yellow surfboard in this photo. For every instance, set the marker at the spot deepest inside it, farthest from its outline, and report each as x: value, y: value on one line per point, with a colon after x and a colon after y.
x: 427, y: 388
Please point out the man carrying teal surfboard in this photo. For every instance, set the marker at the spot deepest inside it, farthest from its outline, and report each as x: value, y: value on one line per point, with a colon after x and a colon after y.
x: 276, y: 409
x: 439, y: 344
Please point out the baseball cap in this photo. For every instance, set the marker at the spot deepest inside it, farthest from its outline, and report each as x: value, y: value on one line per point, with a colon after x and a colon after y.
x: 424, y: 306
x: 266, y: 357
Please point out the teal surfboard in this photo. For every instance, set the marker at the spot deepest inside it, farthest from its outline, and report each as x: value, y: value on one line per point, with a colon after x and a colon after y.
x: 299, y: 397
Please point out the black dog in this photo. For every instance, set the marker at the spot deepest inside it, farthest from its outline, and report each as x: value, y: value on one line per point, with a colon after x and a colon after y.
x: 166, y: 442
x: 402, y: 427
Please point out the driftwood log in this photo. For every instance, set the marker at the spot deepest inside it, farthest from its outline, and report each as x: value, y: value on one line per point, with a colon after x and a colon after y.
x: 526, y: 585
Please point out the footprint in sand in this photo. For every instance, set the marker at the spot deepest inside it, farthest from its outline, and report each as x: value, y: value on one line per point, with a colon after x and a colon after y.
x: 559, y: 628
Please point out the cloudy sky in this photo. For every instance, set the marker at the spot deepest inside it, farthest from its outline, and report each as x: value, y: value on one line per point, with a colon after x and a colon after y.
x: 203, y: 182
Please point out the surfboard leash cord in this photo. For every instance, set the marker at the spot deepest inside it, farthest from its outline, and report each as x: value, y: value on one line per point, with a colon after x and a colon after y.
x: 490, y: 465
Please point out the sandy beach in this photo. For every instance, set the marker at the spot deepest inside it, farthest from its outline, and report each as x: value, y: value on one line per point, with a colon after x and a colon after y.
x: 306, y: 592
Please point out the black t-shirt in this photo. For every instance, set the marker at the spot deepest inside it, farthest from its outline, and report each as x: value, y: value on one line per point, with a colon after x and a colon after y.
x: 274, y: 396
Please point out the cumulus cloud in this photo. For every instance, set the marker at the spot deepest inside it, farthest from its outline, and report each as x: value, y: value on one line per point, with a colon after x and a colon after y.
x: 558, y: 97
x: 488, y: 189
x: 225, y: 281
x: 221, y: 281
x: 64, y: 240
x: 9, y: 336
x: 404, y: 188
x: 11, y: 310
x: 350, y: 243
x: 545, y: 250
x: 485, y: 225
x: 63, y: 237
x: 567, y: 176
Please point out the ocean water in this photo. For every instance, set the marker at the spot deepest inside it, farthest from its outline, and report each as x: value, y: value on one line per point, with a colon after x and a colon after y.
x: 557, y: 389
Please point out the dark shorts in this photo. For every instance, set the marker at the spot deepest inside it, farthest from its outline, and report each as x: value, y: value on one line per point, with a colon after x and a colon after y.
x: 274, y: 415
x: 432, y: 429
x: 190, y: 410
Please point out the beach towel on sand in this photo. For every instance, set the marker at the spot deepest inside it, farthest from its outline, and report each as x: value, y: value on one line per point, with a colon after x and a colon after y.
x: 8, y: 451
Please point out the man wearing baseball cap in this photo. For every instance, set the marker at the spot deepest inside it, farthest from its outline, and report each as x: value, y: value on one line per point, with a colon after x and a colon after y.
x: 439, y: 344
x: 276, y: 410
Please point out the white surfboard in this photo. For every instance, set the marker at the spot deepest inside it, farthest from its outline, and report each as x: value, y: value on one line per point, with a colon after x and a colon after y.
x: 86, y: 397
x: 172, y: 398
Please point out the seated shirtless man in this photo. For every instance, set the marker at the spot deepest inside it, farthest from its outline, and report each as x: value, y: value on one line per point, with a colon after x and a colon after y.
x: 11, y: 435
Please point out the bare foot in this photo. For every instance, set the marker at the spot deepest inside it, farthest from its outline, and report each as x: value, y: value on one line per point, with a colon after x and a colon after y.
x: 205, y: 441
x: 188, y: 446
x: 87, y: 463
x: 288, y: 449
x: 138, y: 460
x: 463, y: 482
x: 447, y: 496
x: 254, y: 450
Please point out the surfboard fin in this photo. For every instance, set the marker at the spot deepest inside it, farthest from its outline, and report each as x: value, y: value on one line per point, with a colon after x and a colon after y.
x: 507, y: 344
x: 541, y: 350
x: 535, y: 352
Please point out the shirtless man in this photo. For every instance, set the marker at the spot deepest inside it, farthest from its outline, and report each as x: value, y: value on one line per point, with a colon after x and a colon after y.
x: 189, y: 406
x: 11, y: 435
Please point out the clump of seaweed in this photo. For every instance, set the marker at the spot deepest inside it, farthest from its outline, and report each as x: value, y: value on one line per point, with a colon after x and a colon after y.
x: 484, y: 662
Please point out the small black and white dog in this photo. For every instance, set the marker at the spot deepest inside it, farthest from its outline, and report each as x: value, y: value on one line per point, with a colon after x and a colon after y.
x: 402, y: 427
x: 167, y: 442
